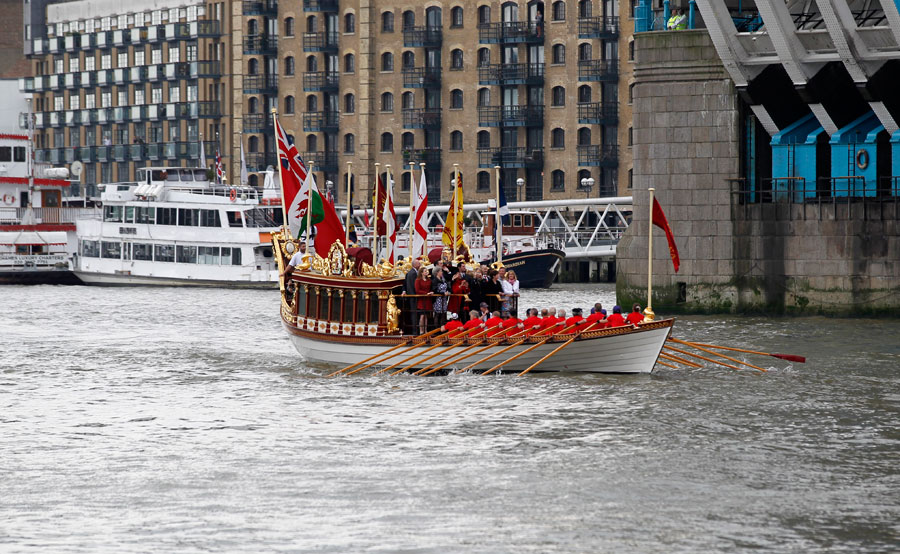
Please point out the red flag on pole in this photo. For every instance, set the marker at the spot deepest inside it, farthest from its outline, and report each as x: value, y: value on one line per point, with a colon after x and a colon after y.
x: 659, y: 219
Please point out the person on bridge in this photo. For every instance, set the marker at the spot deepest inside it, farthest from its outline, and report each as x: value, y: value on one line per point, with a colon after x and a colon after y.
x: 635, y: 316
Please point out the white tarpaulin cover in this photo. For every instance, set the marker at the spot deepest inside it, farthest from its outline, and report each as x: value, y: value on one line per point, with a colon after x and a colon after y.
x: 33, y: 237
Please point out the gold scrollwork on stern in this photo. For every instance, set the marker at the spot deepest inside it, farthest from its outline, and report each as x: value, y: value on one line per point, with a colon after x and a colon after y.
x: 393, y: 316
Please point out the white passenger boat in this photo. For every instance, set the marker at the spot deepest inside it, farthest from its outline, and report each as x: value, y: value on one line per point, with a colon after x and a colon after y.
x: 174, y: 227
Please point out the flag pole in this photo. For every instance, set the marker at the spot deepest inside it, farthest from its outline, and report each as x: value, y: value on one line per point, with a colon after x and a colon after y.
x: 284, y: 217
x: 375, y: 212
x: 309, y: 207
x: 413, y: 192
x: 388, y: 190
x: 649, y: 309
x: 347, y: 217
x: 425, y: 243
x: 498, y: 224
x: 455, y: 207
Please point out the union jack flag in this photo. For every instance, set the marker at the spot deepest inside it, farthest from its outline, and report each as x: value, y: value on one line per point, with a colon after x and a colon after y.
x: 220, y: 170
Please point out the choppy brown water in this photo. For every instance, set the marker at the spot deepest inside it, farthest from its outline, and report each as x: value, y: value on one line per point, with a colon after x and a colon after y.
x: 163, y: 420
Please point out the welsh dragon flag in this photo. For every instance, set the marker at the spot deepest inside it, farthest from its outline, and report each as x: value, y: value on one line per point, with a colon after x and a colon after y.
x: 298, y: 185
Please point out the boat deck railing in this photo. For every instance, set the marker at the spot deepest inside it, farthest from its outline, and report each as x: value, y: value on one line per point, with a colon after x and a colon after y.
x: 52, y: 216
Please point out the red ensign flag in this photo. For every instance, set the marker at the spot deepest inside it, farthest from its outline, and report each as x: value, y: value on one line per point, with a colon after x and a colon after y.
x: 659, y: 219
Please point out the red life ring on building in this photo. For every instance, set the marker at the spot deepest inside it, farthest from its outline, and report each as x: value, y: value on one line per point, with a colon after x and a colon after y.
x: 862, y: 159
x: 232, y: 195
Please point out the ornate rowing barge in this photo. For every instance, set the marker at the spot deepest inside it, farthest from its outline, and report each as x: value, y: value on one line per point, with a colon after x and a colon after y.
x: 342, y: 310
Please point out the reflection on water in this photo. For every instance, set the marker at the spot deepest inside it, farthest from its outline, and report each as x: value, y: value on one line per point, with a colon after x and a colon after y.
x: 179, y: 420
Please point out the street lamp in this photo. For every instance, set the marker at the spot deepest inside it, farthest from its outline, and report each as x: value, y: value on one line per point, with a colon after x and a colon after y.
x: 587, y: 184
x: 520, y: 182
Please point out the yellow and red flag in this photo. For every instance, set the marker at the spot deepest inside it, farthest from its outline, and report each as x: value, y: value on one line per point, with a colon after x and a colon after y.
x: 455, y: 217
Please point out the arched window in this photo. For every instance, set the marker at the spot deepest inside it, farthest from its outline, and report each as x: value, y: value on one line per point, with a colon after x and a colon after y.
x: 387, y: 142
x: 312, y: 103
x: 349, y: 143
x: 349, y: 63
x: 584, y: 51
x: 559, y: 11
x: 253, y: 66
x: 484, y: 139
x: 582, y: 174
x: 584, y: 8
x: 387, y: 62
x: 484, y: 14
x: 484, y: 181
x: 289, y: 26
x: 253, y: 27
x: 253, y: 105
x: 509, y: 12
x: 349, y: 103
x: 558, y: 180
x: 253, y: 144
x: 387, y: 22
x: 407, y: 140
x: 433, y: 17
x: 484, y: 56
x: 484, y: 96
x: 312, y: 24
x: 407, y: 101
x: 456, y: 140
x: 405, y: 180
x: 558, y: 96
x: 409, y: 60
x: 288, y: 104
x: 456, y: 17
x: 456, y: 59
x: 584, y: 136
x: 559, y: 53
x: 387, y: 102
x: 557, y: 138
x: 456, y: 99
x: 409, y: 19
x: 289, y: 65
x: 312, y: 143
x: 584, y: 93
x: 349, y: 23
x: 312, y: 64
x: 631, y: 50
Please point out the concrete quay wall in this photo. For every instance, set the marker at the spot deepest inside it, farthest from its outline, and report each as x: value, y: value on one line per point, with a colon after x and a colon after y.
x: 821, y: 258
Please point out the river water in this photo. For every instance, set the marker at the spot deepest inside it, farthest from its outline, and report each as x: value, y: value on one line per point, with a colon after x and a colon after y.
x: 168, y: 420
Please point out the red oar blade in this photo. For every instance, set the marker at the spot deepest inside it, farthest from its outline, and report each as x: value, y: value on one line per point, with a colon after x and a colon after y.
x: 790, y: 358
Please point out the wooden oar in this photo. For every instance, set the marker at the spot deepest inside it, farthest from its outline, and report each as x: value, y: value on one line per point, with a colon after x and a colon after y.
x: 698, y: 356
x: 527, y: 350
x: 388, y: 351
x: 475, y: 333
x: 554, y: 351
x: 665, y: 364
x: 788, y: 357
x: 708, y: 351
x: 435, y: 341
x: 679, y: 360
x: 504, y: 349
x: 461, y: 358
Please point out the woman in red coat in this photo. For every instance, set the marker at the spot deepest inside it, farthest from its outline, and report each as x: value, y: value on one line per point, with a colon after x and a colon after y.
x: 460, y: 286
x: 423, y: 305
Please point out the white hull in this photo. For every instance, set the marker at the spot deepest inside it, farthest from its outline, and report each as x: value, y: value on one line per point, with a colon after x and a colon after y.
x: 122, y: 280
x: 631, y: 352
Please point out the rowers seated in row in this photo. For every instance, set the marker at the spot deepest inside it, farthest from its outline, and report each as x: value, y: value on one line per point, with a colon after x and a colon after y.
x: 456, y: 328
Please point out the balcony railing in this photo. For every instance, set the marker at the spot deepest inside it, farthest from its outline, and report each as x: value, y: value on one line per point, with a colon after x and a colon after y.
x: 260, y: 7
x: 13, y: 216
x: 424, y: 36
x: 321, y: 81
x: 595, y: 155
x: 320, y: 5
x: 598, y: 27
x: 204, y: 28
x: 320, y: 122
x: 511, y: 32
x: 322, y: 41
x: 422, y: 77
x: 598, y: 70
x: 205, y: 69
x: 511, y: 74
x: 260, y: 44
x: 598, y: 113
x: 422, y: 118
x: 136, y: 152
x: 257, y: 123
x: 259, y: 161
x: 431, y: 157
x: 120, y: 152
x: 511, y: 116
x: 511, y: 157
x: 260, y: 84
x: 321, y: 161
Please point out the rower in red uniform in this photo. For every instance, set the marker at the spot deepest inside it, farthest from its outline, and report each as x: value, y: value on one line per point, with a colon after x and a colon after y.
x: 494, y: 321
x: 453, y: 326
x: 598, y: 319
x: 576, y: 318
x: 635, y: 316
x: 532, y: 323
x: 511, y: 325
x: 474, y: 323
x: 616, y: 319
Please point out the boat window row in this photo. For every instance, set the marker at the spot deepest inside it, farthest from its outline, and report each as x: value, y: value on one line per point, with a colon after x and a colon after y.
x: 180, y: 253
x: 187, y: 217
x: 337, y: 305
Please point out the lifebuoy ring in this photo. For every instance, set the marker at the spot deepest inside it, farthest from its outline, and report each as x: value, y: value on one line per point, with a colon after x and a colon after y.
x: 862, y: 159
x: 232, y: 195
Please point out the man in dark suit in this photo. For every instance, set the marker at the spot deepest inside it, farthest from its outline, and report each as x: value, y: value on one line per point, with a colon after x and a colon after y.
x: 409, y: 287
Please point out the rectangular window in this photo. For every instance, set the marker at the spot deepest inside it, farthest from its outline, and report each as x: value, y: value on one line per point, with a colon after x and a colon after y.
x: 90, y: 101
x: 122, y: 96
x: 139, y: 56
x: 90, y: 63
x: 164, y: 252
x: 74, y: 102
x: 111, y: 250
x: 174, y: 92
x: 106, y: 61
x: 144, y: 215
x: 156, y: 94
x: 188, y: 217
x: 90, y: 248
x: 208, y: 255
x: 5, y: 153
x: 192, y: 93
x: 156, y: 17
x: 186, y: 254
x: 58, y: 65
x: 123, y: 59
x: 106, y: 99
x: 166, y: 216
x: 234, y: 220
x: 123, y: 22
x: 191, y: 52
x: 210, y: 218
x: 174, y: 54
x: 74, y: 64
x: 139, y: 96
x: 156, y: 55
x: 142, y: 252
x: 19, y: 154
x: 58, y: 103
